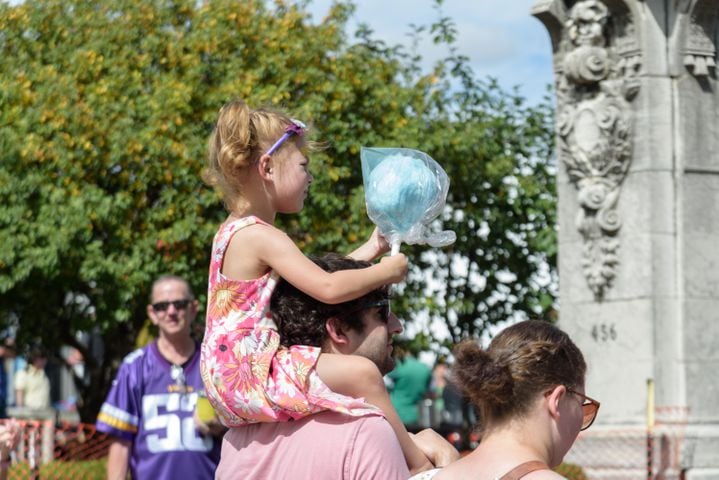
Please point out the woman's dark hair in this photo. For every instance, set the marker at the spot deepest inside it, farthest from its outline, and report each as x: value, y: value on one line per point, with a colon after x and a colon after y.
x: 524, y: 360
x: 301, y: 319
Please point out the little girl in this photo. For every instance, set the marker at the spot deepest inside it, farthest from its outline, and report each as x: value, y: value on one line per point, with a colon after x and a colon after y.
x: 257, y: 160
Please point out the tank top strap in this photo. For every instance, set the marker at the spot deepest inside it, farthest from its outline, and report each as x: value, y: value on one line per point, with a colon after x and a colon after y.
x: 223, y: 236
x: 521, y: 470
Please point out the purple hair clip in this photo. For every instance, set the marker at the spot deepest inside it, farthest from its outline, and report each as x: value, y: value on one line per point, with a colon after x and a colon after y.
x: 294, y: 128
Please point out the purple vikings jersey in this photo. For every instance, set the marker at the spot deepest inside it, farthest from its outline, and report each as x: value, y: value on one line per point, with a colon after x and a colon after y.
x: 151, y: 403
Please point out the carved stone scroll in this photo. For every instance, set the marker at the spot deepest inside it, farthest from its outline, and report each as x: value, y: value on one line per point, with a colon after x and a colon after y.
x: 596, y: 81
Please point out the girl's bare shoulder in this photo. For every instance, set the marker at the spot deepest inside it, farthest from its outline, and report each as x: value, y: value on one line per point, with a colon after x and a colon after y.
x: 543, y: 475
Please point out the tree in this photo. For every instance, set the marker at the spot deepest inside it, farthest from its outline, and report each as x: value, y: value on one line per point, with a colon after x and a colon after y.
x: 105, y: 108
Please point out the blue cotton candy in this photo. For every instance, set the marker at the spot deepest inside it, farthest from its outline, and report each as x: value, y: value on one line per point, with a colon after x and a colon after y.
x: 405, y: 191
x: 401, y: 190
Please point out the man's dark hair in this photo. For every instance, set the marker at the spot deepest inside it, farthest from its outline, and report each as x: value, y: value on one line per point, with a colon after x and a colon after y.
x: 301, y: 319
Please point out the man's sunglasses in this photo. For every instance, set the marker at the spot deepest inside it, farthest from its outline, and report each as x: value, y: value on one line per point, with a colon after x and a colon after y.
x: 382, y: 305
x: 178, y: 304
x: 590, y: 407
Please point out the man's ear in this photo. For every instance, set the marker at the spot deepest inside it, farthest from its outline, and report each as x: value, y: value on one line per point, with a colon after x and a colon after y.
x: 335, y: 331
x: 553, y: 397
x: 151, y: 314
x: 194, y: 307
x: 265, y: 167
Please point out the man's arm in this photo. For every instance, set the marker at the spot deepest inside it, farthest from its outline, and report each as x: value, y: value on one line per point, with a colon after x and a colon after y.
x: 19, y: 398
x: 439, y: 451
x: 19, y: 387
x: 118, y: 459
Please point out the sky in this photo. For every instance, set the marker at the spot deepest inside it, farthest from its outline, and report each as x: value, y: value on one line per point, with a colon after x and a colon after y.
x: 500, y: 37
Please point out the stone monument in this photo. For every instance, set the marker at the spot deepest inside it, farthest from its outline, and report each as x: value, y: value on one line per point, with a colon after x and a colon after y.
x: 638, y: 187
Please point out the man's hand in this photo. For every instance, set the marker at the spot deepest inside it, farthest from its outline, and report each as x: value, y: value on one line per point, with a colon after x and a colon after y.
x: 439, y: 451
x: 213, y: 427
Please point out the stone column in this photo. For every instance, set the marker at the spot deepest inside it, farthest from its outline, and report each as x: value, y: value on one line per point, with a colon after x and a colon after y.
x: 638, y: 186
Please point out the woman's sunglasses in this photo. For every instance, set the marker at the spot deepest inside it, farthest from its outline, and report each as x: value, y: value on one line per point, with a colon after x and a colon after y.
x: 590, y: 407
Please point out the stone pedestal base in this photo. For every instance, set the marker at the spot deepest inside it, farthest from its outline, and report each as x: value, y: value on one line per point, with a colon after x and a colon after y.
x: 672, y: 452
x: 700, y: 452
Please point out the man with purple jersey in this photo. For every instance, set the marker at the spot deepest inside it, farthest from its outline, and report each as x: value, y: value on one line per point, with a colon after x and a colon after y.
x: 150, y: 410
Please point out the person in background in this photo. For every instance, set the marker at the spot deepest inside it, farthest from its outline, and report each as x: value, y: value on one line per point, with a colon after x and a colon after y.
x: 32, y: 386
x: 9, y: 436
x: 440, y: 373
x: 14, y: 363
x: 410, y: 385
x: 528, y: 387
x: 151, y: 408
x: 4, y: 353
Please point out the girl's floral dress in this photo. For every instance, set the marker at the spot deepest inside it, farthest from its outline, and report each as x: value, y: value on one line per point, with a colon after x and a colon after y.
x: 248, y: 376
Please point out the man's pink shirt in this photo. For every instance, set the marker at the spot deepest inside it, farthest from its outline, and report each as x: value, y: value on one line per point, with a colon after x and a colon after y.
x: 327, y: 445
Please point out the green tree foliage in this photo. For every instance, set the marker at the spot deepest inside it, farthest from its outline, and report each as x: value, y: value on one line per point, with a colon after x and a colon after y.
x: 105, y: 108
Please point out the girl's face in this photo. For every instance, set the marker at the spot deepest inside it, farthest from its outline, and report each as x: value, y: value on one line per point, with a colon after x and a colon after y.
x: 292, y: 181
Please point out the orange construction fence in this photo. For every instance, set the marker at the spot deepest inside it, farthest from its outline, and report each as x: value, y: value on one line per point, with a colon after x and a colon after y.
x: 58, y: 450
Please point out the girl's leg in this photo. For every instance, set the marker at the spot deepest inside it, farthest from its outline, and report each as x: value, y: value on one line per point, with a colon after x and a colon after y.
x: 357, y: 376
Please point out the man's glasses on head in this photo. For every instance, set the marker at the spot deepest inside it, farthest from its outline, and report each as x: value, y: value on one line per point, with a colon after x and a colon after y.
x: 178, y: 304
x: 590, y: 407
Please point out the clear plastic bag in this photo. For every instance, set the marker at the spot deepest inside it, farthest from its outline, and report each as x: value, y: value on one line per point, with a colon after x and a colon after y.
x: 405, y: 190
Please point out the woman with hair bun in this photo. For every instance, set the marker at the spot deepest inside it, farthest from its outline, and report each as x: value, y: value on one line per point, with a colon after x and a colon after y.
x: 528, y: 389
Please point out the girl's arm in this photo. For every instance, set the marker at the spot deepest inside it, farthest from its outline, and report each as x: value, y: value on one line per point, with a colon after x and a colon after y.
x: 357, y: 376
x: 255, y: 248
x: 374, y: 247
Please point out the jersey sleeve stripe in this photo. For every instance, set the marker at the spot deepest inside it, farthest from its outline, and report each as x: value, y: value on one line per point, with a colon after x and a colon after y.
x: 118, y: 418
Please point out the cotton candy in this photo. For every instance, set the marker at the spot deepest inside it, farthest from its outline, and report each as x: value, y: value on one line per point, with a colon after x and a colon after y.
x: 401, y: 188
x: 404, y: 191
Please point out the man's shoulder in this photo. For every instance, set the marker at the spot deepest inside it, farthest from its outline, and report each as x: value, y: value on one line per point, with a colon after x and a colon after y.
x: 135, y: 356
x: 323, y: 430
x: 132, y: 367
x: 343, y: 421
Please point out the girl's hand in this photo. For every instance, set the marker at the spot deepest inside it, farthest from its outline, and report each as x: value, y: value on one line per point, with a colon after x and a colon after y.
x: 380, y: 243
x: 374, y: 247
x: 396, y: 267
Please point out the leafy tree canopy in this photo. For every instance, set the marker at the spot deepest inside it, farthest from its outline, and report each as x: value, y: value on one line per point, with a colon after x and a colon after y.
x: 105, y: 108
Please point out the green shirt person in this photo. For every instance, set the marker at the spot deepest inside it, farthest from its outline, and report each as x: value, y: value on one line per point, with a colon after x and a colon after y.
x: 411, y: 381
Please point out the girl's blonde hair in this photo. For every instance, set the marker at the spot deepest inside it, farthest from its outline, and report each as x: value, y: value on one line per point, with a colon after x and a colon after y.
x: 240, y: 137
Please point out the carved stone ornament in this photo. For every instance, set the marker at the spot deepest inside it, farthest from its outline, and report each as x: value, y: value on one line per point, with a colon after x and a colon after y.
x: 596, y: 80
x: 699, y: 51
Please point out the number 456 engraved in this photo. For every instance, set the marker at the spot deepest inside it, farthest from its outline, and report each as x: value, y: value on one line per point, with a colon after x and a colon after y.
x: 603, y: 332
